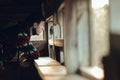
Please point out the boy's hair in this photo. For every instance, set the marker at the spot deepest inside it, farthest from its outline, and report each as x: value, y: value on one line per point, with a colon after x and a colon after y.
x: 34, y: 17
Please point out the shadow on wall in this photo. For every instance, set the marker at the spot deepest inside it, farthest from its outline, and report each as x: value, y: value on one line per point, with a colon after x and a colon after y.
x: 115, y: 42
x: 112, y: 62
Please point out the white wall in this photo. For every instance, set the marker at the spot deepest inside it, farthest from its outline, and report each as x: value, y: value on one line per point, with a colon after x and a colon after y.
x: 115, y: 16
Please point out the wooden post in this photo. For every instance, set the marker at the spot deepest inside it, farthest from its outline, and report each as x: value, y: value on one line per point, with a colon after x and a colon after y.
x: 70, y: 37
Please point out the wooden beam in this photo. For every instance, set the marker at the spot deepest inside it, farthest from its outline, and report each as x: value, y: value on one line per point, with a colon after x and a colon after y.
x: 70, y: 37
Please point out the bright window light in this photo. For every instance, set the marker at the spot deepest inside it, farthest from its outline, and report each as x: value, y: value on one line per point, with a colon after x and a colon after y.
x: 97, y: 72
x: 99, y: 3
x: 94, y: 71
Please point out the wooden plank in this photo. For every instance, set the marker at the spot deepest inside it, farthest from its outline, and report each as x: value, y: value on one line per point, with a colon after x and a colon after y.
x: 52, y: 70
x: 47, y: 71
x: 67, y: 77
x: 93, y: 73
x: 59, y: 42
x: 45, y: 61
x: 57, y: 73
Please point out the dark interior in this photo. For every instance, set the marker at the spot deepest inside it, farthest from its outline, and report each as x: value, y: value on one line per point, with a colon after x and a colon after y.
x: 12, y: 11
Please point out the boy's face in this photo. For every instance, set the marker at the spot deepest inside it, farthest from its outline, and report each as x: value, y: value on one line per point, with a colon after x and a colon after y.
x: 39, y: 27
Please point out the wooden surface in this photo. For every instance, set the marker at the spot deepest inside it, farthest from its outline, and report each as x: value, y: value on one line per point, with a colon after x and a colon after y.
x: 67, y: 77
x: 50, y: 69
x: 57, y: 73
x: 53, y: 70
x: 58, y: 42
x: 93, y: 73
x: 45, y: 61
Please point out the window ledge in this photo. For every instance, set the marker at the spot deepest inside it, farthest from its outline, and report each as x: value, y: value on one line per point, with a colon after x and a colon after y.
x: 93, y: 73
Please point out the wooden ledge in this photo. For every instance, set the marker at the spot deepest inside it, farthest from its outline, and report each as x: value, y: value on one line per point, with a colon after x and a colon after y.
x: 58, y: 42
x: 93, y: 73
x: 45, y: 61
x: 50, y: 71
x: 53, y: 70
x: 67, y: 77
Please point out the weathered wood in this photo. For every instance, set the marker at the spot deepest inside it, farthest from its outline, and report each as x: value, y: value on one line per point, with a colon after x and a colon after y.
x: 59, y: 42
x: 99, y: 28
x: 83, y: 32
x: 67, y: 77
x: 70, y: 37
x: 46, y: 61
x: 92, y: 73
